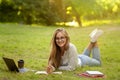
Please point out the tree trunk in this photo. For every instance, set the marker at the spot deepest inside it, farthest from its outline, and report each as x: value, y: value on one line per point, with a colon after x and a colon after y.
x: 57, y: 7
x: 77, y: 15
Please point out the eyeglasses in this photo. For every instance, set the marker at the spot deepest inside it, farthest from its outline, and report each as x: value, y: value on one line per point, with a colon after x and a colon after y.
x: 60, y: 38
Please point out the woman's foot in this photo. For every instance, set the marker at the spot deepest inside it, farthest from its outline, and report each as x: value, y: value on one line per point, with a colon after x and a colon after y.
x: 95, y: 34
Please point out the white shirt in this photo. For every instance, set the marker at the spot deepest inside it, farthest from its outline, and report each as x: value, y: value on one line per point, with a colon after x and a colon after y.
x: 70, y: 59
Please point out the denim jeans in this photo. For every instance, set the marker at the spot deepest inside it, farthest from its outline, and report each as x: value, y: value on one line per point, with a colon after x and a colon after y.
x: 94, y: 60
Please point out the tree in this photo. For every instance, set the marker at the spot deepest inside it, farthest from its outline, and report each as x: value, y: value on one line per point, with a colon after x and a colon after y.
x: 32, y: 11
x: 57, y: 9
x: 81, y: 8
x: 49, y: 12
x: 7, y: 11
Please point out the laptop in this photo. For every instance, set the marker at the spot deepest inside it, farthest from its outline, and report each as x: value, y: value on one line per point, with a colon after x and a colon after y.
x: 10, y: 64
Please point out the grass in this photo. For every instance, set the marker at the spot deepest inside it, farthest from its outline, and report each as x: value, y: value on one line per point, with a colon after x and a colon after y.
x: 32, y: 44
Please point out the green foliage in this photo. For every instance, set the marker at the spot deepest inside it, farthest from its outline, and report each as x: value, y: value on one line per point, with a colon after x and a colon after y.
x: 25, y: 11
x: 49, y: 12
x: 32, y: 43
x: 7, y: 11
x: 95, y: 9
x: 32, y: 11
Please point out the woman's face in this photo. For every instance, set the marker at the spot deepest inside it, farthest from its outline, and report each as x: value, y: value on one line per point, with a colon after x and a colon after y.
x: 60, y: 39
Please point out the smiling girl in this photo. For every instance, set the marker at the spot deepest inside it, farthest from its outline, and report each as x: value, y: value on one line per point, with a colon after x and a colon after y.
x: 64, y: 55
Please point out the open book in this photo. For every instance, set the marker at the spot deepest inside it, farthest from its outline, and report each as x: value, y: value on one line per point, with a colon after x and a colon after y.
x: 44, y: 72
x: 92, y: 74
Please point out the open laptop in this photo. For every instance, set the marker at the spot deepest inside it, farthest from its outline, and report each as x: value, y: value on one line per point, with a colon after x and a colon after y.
x: 10, y: 64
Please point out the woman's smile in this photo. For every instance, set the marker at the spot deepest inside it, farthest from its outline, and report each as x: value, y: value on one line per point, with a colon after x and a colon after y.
x: 60, y: 39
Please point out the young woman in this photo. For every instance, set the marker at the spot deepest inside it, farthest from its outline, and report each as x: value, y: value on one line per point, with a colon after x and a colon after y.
x: 64, y: 55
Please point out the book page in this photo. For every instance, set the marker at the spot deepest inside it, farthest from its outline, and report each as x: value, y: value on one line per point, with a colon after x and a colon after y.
x: 94, y: 72
x: 44, y: 72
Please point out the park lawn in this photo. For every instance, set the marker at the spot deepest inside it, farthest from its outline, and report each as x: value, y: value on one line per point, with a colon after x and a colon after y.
x: 32, y: 44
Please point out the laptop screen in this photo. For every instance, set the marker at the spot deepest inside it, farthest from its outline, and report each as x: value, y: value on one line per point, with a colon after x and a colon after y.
x: 10, y: 64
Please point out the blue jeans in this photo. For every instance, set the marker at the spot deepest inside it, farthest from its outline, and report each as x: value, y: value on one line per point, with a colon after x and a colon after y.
x: 90, y: 61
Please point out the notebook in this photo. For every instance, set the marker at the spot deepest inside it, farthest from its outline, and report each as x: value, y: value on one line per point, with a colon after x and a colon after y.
x: 10, y: 64
x: 92, y: 74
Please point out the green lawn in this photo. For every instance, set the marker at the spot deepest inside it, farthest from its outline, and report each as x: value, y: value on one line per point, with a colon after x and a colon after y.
x: 32, y: 43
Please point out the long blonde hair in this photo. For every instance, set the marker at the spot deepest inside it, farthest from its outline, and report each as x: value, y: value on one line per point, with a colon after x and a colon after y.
x: 55, y: 53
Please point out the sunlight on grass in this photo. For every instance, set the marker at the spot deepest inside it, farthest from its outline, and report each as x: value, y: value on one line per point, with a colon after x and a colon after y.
x: 99, y: 22
x: 87, y: 23
x: 72, y: 23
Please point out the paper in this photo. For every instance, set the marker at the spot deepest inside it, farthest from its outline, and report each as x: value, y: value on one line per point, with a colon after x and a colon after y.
x: 94, y: 72
x: 44, y: 72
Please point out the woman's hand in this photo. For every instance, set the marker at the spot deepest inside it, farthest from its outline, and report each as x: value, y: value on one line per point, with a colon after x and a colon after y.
x: 50, y: 69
